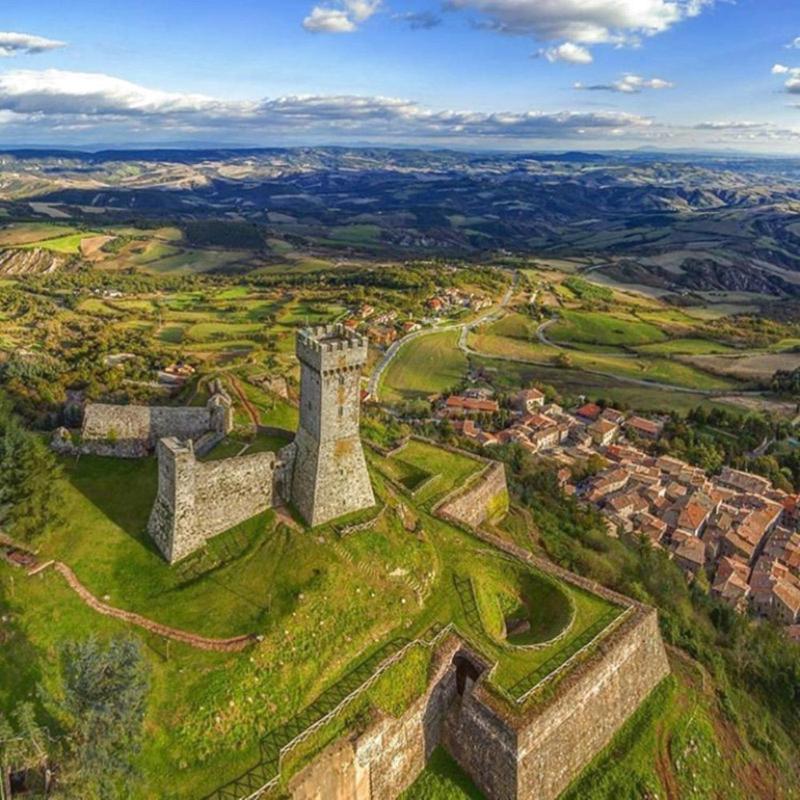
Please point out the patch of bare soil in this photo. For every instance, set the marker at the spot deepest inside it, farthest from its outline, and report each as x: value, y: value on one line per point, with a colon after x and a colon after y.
x: 92, y: 246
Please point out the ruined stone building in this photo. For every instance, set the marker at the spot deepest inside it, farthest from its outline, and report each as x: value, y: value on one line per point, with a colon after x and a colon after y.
x: 322, y: 472
x: 133, y: 431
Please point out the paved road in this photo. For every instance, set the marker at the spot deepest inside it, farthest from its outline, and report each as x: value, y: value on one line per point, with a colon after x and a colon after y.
x: 465, y: 327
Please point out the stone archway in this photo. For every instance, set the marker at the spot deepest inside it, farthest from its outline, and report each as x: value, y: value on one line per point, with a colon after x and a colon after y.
x: 467, y: 672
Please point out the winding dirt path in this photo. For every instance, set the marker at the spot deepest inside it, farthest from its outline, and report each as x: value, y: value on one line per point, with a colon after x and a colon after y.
x: 249, y: 407
x: 232, y: 645
x: 20, y: 557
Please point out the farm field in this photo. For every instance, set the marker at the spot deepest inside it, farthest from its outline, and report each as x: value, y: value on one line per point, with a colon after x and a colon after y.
x: 426, y: 365
x: 598, y: 328
x: 747, y: 367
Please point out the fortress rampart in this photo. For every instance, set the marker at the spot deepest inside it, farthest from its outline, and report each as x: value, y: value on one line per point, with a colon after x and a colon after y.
x: 480, y: 501
x: 531, y: 753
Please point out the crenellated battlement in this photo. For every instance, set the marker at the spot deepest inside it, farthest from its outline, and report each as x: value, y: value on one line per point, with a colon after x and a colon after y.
x: 327, y: 348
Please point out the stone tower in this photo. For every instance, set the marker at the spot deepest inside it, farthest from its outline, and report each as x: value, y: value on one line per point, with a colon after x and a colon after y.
x: 330, y: 474
x: 173, y: 520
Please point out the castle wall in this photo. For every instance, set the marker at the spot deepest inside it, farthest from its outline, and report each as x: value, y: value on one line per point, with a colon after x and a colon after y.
x: 199, y: 500
x: 485, y: 747
x: 231, y: 491
x: 133, y: 431
x: 525, y: 754
x: 585, y: 714
x: 385, y: 760
x: 482, y: 500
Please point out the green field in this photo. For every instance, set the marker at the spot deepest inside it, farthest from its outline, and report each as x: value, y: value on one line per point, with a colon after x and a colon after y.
x: 429, y: 364
x: 685, y: 346
x: 70, y: 244
x: 598, y: 328
x: 29, y: 232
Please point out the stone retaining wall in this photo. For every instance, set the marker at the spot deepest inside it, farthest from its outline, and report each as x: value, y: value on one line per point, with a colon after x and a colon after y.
x: 479, y: 501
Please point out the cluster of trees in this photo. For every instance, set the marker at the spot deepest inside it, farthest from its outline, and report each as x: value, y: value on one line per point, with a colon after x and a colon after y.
x: 786, y: 382
x: 30, y: 493
x: 222, y: 233
x: 89, y: 747
x: 755, y: 666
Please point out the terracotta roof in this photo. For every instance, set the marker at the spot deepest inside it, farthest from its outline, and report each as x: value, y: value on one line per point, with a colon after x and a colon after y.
x: 603, y: 426
x: 589, y: 411
x: 645, y: 425
x: 472, y: 404
x: 788, y: 594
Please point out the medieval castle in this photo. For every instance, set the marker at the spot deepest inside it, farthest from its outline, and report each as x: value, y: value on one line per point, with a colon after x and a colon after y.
x: 323, y: 472
x: 535, y: 753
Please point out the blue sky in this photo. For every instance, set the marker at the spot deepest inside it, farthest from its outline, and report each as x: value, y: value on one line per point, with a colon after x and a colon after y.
x: 473, y: 73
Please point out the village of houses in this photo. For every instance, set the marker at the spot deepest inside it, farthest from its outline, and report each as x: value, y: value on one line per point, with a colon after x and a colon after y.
x: 733, y: 528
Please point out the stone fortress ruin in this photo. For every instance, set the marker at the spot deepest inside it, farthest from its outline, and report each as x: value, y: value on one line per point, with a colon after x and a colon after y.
x: 323, y: 472
x: 134, y: 431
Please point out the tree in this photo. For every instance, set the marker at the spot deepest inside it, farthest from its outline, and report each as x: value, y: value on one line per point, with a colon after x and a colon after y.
x: 30, y: 494
x: 23, y: 746
x: 105, y: 689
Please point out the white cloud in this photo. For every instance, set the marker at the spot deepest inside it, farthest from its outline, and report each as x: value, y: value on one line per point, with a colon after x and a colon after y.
x: 792, y: 84
x: 13, y: 44
x: 627, y: 84
x: 61, y: 92
x: 342, y: 17
x: 584, y: 21
x: 569, y: 52
x: 794, y: 44
x: 69, y: 100
x: 731, y: 125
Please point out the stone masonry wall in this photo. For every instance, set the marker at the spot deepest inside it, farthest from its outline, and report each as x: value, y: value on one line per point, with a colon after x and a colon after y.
x: 133, y: 431
x: 196, y: 500
x: 479, y: 500
x: 584, y: 716
x: 232, y: 490
x: 485, y: 747
x: 384, y: 761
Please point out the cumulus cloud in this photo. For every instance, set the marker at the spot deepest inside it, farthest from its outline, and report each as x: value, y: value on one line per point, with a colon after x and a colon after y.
x: 627, y: 84
x: 569, y: 52
x: 794, y: 44
x: 419, y: 21
x: 583, y: 21
x: 57, y: 98
x: 792, y: 74
x: 342, y: 17
x: 14, y: 44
